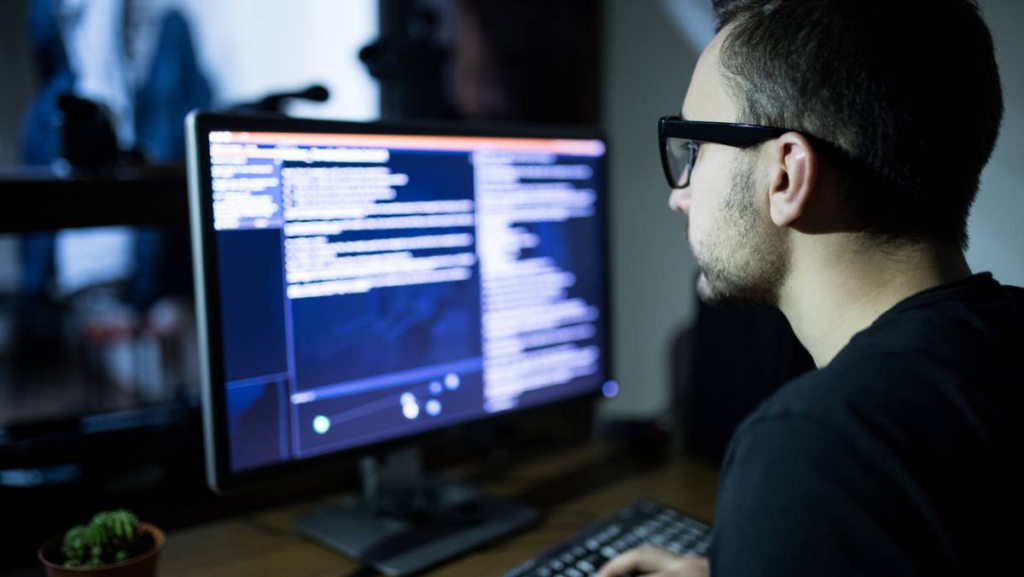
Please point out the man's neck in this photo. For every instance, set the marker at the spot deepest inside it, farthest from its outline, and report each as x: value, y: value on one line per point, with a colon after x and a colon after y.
x: 834, y: 292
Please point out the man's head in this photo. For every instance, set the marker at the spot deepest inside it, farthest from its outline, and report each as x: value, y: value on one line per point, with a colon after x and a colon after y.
x: 894, y: 106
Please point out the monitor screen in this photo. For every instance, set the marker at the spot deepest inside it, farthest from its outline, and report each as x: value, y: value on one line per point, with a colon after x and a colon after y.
x: 365, y: 284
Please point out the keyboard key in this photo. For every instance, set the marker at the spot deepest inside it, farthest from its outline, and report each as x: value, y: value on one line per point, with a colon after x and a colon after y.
x: 644, y: 522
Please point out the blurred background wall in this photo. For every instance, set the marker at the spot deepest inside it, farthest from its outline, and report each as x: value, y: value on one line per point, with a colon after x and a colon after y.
x: 250, y: 47
x: 997, y: 237
x: 18, y: 77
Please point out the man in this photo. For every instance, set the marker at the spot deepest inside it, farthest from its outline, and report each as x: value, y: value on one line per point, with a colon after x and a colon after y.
x: 847, y: 209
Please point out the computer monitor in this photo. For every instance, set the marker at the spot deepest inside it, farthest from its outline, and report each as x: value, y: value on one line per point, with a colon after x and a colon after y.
x: 361, y: 285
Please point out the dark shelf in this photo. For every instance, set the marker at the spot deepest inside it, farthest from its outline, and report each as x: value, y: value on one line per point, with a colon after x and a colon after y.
x: 38, y: 199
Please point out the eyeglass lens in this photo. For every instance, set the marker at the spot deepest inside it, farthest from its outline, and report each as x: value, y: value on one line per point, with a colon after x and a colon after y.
x: 681, y: 154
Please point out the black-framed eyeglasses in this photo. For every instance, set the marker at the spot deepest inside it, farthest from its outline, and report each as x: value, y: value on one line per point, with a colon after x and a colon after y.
x: 681, y: 139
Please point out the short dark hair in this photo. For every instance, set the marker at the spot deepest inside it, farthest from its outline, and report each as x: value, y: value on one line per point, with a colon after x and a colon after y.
x: 909, y: 88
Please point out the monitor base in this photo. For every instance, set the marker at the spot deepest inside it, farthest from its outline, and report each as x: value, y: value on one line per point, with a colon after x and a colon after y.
x: 406, y: 529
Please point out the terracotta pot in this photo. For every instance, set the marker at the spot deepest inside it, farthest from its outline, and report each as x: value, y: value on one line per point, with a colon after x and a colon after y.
x: 143, y: 565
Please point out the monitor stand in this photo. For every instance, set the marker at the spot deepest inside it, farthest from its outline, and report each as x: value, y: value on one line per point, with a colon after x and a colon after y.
x: 404, y: 523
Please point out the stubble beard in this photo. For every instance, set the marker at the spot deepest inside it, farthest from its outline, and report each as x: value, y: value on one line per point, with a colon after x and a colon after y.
x: 746, y: 261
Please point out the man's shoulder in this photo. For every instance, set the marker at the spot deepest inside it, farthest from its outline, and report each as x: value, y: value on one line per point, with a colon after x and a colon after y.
x: 975, y: 315
x: 904, y: 398
x: 837, y: 388
x: 957, y: 344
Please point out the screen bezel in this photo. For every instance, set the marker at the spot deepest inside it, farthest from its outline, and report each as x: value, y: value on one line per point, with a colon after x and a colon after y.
x: 220, y: 477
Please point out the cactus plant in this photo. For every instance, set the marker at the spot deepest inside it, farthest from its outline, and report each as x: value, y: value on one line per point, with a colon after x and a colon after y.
x: 110, y: 537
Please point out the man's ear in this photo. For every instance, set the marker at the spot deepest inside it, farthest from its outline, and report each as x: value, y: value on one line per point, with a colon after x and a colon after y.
x: 794, y: 176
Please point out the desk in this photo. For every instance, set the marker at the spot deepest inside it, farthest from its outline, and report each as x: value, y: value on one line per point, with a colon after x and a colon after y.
x: 573, y: 487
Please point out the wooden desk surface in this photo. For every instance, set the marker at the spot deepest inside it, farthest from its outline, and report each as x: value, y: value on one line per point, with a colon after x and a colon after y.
x: 573, y: 488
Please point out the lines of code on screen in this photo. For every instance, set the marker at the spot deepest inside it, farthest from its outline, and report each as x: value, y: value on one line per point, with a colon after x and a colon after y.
x: 376, y: 287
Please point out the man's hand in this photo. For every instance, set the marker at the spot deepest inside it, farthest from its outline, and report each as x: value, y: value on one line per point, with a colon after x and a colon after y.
x: 648, y: 559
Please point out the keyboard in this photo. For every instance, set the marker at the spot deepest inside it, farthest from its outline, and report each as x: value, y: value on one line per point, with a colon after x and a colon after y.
x: 643, y: 522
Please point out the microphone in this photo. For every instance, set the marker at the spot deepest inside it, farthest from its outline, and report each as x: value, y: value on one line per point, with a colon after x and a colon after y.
x: 315, y: 93
x: 275, y: 102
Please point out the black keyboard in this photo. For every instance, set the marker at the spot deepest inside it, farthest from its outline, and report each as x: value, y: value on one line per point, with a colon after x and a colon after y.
x: 643, y: 522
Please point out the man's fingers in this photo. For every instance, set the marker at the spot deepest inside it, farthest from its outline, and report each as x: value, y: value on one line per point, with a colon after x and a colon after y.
x: 688, y: 566
x: 619, y: 565
x: 644, y: 558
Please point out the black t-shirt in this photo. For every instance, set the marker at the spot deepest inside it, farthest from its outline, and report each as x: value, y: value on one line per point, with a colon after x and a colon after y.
x: 900, y: 457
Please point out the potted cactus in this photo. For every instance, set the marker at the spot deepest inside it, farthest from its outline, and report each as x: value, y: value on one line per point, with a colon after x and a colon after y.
x: 113, y: 543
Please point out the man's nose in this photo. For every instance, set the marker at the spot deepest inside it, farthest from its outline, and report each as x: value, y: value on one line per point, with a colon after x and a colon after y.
x: 679, y: 200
